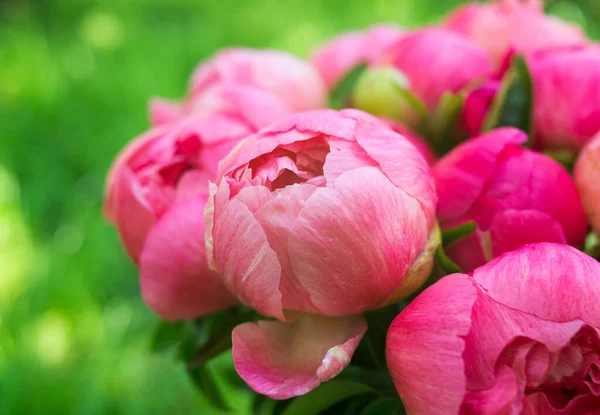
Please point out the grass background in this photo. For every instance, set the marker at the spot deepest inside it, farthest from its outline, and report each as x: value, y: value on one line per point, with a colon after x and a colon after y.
x: 75, y: 78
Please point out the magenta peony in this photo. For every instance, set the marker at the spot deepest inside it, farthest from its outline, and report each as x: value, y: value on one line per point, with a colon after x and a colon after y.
x: 435, y: 61
x: 520, y: 335
x: 567, y: 96
x: 514, y: 195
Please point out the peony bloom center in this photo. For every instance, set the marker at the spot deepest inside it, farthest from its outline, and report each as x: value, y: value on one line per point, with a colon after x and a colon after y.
x: 300, y: 162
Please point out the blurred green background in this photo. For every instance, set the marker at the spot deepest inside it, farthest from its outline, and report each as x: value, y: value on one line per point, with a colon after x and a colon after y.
x: 75, y: 78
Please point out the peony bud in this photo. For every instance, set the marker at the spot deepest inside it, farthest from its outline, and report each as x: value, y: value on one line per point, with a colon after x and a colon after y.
x: 521, y: 335
x: 289, y: 78
x: 508, y: 24
x: 156, y: 194
x: 318, y: 194
x: 567, y: 96
x: 437, y: 61
x: 514, y: 195
x: 587, y: 179
x: 380, y: 91
x: 335, y: 59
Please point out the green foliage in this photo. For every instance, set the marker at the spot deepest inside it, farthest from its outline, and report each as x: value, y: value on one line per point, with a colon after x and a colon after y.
x: 513, y: 105
x: 325, y: 396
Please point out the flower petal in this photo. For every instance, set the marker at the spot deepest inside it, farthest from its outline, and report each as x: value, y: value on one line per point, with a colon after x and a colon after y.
x: 425, y: 347
x: 551, y: 281
x: 248, y: 265
x: 461, y: 175
x: 131, y: 212
x: 175, y: 280
x: 512, y: 229
x: 163, y: 111
x: 401, y: 163
x: 283, y: 360
x: 364, y: 250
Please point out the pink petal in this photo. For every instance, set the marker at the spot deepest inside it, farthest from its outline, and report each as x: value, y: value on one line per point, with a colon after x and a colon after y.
x: 461, y: 175
x: 471, y: 251
x: 551, y: 281
x: 402, y: 165
x: 512, y: 229
x: 163, y: 111
x: 248, y: 265
x: 420, y: 144
x: 132, y: 214
x: 283, y: 360
x: 526, y: 180
x: 175, y: 280
x: 364, y: 256
x: 425, y: 347
x: 437, y: 61
x: 277, y: 216
x: 566, y: 84
x: 587, y: 172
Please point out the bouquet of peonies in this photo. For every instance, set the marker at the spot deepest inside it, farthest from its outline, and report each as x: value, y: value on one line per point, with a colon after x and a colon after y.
x: 398, y: 213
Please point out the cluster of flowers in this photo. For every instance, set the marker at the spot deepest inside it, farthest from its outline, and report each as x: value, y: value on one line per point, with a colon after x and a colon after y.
x: 250, y: 191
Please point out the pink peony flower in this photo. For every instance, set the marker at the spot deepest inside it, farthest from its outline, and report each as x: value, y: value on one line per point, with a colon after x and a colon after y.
x: 337, y: 57
x: 436, y: 60
x: 156, y: 193
x: 567, y: 91
x: 514, y: 195
x: 322, y: 215
x: 513, y: 24
x: 292, y: 80
x: 251, y: 105
x: 587, y: 179
x: 421, y: 145
x: 521, y: 335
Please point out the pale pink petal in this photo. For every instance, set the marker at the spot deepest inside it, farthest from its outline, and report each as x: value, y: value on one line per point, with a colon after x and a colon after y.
x: 420, y: 144
x: 277, y: 217
x: 336, y: 58
x: 393, y: 231
x: 425, y: 347
x: 512, y: 229
x: 247, y: 263
x: 502, y: 25
x: 461, y: 175
x: 402, y: 165
x: 131, y: 211
x: 551, y: 281
x: 163, y: 111
x: 283, y: 360
x: 174, y: 276
x: 193, y: 183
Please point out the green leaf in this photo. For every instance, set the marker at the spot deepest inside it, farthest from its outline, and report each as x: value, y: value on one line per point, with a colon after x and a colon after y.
x: 513, y: 105
x: 443, y: 121
x: 167, y: 335
x: 205, y: 381
x: 383, y: 406
x: 326, y: 395
x: 414, y: 101
x: 445, y: 263
x: 458, y: 232
x: 338, y: 97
